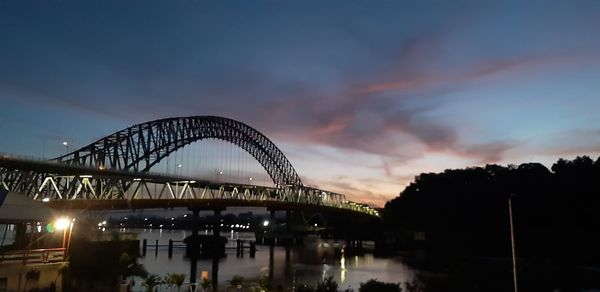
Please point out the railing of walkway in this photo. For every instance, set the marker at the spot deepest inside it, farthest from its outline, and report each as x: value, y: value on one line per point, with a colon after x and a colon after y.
x: 33, y: 256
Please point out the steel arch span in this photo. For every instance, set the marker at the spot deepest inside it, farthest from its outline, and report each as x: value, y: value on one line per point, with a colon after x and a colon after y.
x: 142, y: 146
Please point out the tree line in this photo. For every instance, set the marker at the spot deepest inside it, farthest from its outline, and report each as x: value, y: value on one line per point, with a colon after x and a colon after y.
x: 465, y: 211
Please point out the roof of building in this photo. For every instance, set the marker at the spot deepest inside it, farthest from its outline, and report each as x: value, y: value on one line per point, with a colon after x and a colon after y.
x: 16, y: 207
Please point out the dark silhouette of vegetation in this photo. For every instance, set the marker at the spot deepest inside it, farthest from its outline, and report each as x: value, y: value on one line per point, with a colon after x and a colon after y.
x: 237, y: 281
x: 326, y: 285
x: 205, y: 283
x: 464, y: 212
x: 376, y: 286
x: 128, y: 266
x: 175, y: 280
x: 329, y: 285
x: 151, y: 281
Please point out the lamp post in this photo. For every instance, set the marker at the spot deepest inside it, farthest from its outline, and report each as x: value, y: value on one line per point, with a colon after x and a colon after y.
x: 66, y: 144
x: 65, y: 224
x: 512, y: 241
x: 177, y: 173
x: 218, y: 174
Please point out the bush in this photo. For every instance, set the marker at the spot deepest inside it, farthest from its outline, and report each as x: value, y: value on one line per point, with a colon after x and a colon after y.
x: 375, y: 286
x: 236, y: 281
x: 327, y: 285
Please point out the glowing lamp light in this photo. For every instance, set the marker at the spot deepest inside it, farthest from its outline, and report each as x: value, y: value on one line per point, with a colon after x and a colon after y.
x: 62, y: 223
x: 266, y: 223
x: 46, y: 200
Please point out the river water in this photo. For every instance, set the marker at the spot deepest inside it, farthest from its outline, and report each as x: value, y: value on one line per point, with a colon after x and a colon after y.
x: 309, y: 263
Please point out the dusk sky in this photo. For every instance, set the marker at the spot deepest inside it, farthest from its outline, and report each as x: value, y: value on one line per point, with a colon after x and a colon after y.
x: 360, y: 95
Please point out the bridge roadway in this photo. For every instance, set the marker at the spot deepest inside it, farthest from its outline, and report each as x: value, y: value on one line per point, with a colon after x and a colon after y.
x: 71, y: 186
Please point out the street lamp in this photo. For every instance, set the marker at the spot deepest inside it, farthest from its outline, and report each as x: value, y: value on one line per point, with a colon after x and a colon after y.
x: 66, y: 144
x: 63, y: 224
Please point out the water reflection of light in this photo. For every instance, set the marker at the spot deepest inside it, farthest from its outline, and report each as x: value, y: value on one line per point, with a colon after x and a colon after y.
x: 342, y: 267
x: 369, y: 260
x: 356, y: 261
x: 325, y: 269
x: 306, y: 265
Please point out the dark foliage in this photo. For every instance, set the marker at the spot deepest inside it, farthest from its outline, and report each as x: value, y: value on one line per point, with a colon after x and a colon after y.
x: 326, y: 285
x: 465, y: 211
x: 376, y: 286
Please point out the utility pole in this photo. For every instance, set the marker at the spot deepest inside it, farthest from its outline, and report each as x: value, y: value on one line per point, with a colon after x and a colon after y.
x: 512, y: 241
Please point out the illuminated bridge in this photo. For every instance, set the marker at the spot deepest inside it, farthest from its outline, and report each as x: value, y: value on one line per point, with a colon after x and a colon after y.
x: 114, y: 173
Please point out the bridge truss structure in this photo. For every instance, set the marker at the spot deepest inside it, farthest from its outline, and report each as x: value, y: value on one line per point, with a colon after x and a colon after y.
x: 113, y: 172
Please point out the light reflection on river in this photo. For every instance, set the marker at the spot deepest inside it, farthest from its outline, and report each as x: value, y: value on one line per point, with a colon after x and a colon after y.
x: 308, y: 264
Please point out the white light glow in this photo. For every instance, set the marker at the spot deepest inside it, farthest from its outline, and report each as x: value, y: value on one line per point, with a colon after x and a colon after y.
x: 62, y: 223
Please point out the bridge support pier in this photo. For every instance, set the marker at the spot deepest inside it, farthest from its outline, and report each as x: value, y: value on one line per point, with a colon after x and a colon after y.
x: 252, y: 249
x: 144, y: 247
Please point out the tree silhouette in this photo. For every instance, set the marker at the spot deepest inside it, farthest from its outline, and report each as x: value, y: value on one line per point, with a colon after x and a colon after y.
x: 464, y: 211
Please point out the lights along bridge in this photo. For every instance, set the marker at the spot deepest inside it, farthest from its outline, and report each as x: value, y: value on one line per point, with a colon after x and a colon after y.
x: 114, y: 173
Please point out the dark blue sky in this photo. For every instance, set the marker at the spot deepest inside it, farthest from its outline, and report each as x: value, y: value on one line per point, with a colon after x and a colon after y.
x: 361, y: 95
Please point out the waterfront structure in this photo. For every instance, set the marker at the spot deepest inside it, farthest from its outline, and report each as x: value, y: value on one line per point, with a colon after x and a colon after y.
x: 31, y: 251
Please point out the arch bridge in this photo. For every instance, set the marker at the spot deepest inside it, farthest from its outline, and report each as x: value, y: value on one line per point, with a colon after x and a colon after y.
x: 114, y: 172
